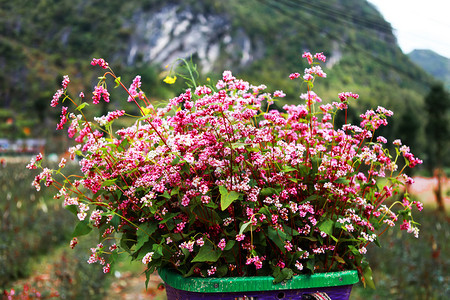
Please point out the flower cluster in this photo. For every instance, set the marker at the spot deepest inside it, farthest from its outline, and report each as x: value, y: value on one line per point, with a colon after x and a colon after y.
x: 218, y: 184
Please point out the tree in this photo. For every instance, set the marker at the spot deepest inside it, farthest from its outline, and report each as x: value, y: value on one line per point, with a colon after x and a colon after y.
x: 437, y: 104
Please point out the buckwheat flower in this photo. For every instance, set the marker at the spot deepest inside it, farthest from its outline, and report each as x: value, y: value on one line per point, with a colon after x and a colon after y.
x: 240, y: 237
x: 418, y: 204
x: 62, y: 163
x: 227, y: 76
x: 294, y: 76
x: 147, y: 258
x: 188, y: 245
x: 298, y: 265
x: 33, y: 161
x: 349, y: 227
x: 168, y: 240
x: 281, y: 264
x: 81, y: 216
x: 200, y: 242
x: 308, y: 57
x: 362, y: 250
x: 206, y: 199
x: 288, y: 245
x: 405, y: 226
x: 222, y: 244
x: 308, y: 77
x: 99, y: 93
x: 65, y: 81
x: 381, y: 139
x: 100, y: 61
x: 345, y: 95
x: 106, y: 268
x: 278, y: 93
x: 211, y: 271
x: 63, y: 119
x: 81, y: 95
x: 73, y: 242
x: 397, y: 142
x: 414, y: 231
x: 320, y: 56
x: 56, y: 97
x: 112, y: 247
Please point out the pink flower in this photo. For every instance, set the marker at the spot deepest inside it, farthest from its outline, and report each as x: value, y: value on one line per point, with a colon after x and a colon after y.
x: 100, y: 61
x: 320, y: 56
x: 309, y: 57
x: 65, y: 81
x: 222, y: 244
x: 73, y: 242
x: 63, y: 119
x: 405, y: 226
x: 279, y: 94
x: 56, y: 97
x: 240, y: 237
x: 294, y: 76
x: 107, y: 268
x: 98, y: 93
x: 211, y: 271
x: 345, y: 95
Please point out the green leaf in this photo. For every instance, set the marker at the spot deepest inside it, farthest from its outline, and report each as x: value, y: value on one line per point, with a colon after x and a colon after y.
x: 283, y: 275
x: 175, y: 161
x: 229, y: 245
x: 278, y: 237
x: 342, y: 180
x: 310, y: 264
x: 222, y: 271
x: 82, y: 105
x: 144, y: 232
x: 72, y: 208
x: 327, y: 226
x: 226, y: 198
x: 108, y: 182
x: 287, y: 169
x: 367, y: 277
x: 117, y: 81
x: 115, y: 221
x: 82, y: 228
x: 244, y: 226
x: 267, y: 191
x: 339, y: 259
x: 207, y: 254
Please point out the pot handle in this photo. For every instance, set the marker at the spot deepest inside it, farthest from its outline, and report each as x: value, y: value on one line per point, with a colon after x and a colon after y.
x: 316, y: 296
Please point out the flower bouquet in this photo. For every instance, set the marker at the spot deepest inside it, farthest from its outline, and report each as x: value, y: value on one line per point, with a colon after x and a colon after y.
x: 216, y: 183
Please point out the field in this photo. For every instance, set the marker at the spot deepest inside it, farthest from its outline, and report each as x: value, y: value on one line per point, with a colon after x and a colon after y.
x: 35, y: 256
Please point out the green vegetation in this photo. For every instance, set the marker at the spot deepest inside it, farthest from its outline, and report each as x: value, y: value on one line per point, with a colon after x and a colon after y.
x: 409, y: 268
x: 434, y: 64
x: 36, y: 229
x: 45, y: 39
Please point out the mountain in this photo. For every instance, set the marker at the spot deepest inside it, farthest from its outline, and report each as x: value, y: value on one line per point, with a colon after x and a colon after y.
x: 433, y: 63
x: 259, y: 40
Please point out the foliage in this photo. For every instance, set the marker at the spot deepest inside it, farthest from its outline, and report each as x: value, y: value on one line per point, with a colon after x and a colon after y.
x: 31, y: 225
x: 434, y: 64
x: 438, y: 125
x: 416, y: 269
x: 216, y: 183
x: 39, y: 35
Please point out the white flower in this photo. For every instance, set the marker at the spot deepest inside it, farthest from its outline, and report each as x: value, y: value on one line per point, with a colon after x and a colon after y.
x: 147, y: 258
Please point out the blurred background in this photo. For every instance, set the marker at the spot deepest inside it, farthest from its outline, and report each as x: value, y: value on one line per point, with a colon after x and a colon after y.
x: 392, y: 53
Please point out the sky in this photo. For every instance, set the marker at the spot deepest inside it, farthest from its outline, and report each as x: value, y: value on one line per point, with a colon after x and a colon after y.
x: 418, y: 24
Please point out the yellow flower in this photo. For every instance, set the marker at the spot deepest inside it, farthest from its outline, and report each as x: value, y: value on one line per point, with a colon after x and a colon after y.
x: 145, y: 111
x: 170, y: 80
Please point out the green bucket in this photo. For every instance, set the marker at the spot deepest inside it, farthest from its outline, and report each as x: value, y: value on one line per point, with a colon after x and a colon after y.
x: 259, y: 287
